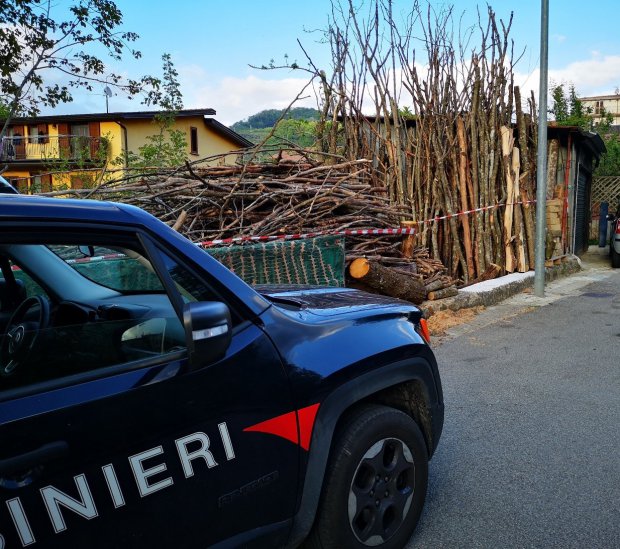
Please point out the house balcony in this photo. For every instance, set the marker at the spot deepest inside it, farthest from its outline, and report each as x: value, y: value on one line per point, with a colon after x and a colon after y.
x: 75, y: 149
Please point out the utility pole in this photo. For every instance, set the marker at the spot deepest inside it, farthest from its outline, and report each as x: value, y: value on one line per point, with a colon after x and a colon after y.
x: 541, y: 162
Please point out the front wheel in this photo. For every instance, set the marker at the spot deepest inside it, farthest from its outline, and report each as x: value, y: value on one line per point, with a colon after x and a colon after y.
x: 375, y: 483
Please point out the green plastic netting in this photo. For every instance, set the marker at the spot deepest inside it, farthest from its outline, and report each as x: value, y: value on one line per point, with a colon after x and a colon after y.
x: 316, y: 261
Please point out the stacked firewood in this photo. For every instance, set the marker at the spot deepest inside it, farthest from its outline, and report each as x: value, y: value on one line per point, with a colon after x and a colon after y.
x: 442, y: 133
x: 207, y: 203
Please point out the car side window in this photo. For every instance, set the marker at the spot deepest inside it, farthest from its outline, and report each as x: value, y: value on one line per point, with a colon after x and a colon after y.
x: 88, y: 308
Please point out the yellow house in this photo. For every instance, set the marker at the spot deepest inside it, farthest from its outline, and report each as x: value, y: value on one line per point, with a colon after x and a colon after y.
x: 80, y: 144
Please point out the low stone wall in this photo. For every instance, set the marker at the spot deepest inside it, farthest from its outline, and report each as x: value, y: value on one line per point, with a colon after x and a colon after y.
x: 494, y: 291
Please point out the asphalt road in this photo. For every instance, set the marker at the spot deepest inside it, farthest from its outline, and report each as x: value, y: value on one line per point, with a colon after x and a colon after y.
x: 530, y: 453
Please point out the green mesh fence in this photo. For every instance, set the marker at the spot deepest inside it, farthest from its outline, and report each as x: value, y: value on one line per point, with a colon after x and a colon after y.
x: 317, y: 261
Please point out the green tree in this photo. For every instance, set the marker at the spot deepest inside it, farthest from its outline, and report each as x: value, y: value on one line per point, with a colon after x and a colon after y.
x: 4, y: 110
x: 168, y: 146
x: 40, y: 38
x: 610, y: 161
x: 299, y: 132
x: 568, y: 110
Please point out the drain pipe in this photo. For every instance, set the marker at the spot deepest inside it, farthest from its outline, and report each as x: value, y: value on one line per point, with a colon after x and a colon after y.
x: 576, y: 199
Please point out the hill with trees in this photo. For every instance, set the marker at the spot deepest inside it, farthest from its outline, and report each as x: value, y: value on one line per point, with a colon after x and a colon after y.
x: 297, y: 126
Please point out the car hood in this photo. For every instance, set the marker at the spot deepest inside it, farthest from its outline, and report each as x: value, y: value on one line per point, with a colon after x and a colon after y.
x: 329, y: 301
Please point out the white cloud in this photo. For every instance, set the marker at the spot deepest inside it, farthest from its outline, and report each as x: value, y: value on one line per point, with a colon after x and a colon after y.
x: 594, y: 76
x: 598, y: 75
x: 237, y: 98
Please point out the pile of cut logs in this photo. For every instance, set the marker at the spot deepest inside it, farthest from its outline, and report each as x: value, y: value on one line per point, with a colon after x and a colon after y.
x: 217, y: 202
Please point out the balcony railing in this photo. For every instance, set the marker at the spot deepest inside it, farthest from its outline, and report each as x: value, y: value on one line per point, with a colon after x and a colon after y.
x: 44, y: 148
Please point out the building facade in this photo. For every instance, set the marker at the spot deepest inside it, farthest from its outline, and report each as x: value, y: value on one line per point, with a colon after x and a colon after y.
x: 36, y: 149
x: 600, y: 105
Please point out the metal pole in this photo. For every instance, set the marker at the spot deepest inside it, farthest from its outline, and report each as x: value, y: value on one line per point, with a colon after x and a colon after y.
x: 541, y: 163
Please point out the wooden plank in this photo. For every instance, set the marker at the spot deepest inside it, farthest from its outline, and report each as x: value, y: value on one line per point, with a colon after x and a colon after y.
x: 507, y: 145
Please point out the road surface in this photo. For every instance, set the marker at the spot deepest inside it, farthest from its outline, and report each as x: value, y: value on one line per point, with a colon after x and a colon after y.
x: 530, y: 455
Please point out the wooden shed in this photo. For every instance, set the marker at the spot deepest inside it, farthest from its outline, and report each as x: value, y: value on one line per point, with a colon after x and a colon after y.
x: 573, y: 154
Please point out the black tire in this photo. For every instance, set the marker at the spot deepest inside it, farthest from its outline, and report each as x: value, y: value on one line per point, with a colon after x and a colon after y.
x: 359, y: 508
x: 615, y: 257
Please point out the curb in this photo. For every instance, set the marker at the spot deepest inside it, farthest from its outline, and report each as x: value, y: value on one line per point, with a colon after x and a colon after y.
x: 494, y: 291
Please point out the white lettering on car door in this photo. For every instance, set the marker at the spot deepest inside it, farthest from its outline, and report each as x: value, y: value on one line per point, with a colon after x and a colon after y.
x: 54, y: 498
x: 20, y: 521
x: 189, y: 448
x: 141, y: 475
x: 115, y: 488
x: 203, y: 452
x: 228, y: 447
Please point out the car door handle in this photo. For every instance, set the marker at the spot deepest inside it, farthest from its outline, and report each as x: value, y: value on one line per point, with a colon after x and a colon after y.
x: 28, y: 460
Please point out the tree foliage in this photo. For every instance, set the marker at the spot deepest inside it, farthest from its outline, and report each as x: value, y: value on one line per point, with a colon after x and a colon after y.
x: 568, y: 110
x: 42, y: 37
x: 610, y: 162
x: 168, y: 146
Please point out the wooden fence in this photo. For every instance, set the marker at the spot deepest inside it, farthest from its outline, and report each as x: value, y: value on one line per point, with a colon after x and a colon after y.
x: 604, y: 189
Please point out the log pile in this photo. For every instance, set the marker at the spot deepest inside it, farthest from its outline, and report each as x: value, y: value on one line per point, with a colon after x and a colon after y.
x: 208, y: 203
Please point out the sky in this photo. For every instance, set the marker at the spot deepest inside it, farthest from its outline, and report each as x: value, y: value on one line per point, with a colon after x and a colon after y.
x: 214, y: 42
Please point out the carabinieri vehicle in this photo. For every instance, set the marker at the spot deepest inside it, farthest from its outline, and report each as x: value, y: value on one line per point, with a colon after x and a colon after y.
x: 150, y: 398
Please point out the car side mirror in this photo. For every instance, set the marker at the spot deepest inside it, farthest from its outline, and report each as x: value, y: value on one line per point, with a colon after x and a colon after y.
x: 208, y: 331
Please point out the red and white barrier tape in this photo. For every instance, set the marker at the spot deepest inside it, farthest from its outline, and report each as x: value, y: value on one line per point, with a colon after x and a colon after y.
x: 300, y: 236
x: 353, y: 232
x: 476, y: 210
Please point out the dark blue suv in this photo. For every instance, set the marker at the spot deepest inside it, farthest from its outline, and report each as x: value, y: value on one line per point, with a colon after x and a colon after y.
x: 151, y: 398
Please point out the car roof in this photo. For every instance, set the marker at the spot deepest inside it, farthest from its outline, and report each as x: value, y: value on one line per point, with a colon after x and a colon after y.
x: 23, y: 207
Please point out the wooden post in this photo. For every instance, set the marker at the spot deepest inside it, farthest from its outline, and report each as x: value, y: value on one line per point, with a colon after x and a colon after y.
x: 552, y: 166
x: 460, y: 130
x: 507, y: 145
x: 522, y: 264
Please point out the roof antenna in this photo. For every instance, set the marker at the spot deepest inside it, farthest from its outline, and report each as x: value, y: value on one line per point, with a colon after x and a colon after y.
x: 108, y: 93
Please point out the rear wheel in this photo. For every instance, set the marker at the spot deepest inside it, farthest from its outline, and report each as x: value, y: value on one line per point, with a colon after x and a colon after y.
x: 375, y: 484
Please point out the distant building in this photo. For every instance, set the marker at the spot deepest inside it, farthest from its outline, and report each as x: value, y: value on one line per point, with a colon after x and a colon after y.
x: 603, y: 104
x: 83, y: 143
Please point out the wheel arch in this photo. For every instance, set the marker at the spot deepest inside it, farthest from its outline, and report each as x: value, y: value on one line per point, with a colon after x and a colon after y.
x: 403, y: 386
